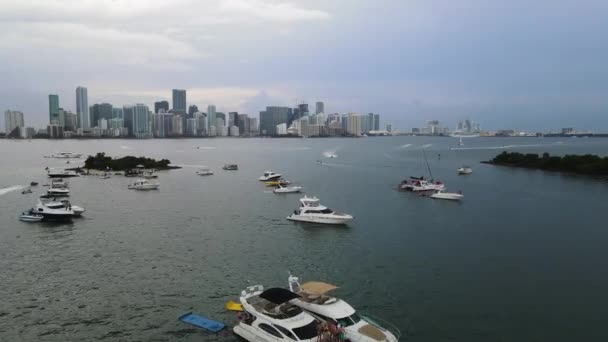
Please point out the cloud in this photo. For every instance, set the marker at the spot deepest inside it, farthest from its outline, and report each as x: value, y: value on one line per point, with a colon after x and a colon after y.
x: 281, y: 12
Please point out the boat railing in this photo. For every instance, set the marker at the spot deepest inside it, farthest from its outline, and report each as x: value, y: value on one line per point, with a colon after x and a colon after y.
x: 381, y: 324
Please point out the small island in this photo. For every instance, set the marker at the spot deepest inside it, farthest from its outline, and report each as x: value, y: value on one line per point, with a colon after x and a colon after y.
x: 102, y: 162
x: 588, y: 164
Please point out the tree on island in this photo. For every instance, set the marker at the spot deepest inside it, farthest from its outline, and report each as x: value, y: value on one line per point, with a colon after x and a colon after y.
x: 102, y: 162
x: 587, y: 164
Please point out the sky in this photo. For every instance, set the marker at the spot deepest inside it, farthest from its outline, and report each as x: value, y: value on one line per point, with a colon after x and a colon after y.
x: 529, y: 65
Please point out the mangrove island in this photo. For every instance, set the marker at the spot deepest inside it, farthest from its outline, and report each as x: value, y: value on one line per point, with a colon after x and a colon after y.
x: 587, y: 164
x: 102, y: 162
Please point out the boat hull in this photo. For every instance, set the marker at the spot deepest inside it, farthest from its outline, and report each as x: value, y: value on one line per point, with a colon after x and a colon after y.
x: 61, y: 175
x: 31, y: 218
x: 145, y: 187
x: 288, y: 190
x: 323, y: 220
x: 452, y: 197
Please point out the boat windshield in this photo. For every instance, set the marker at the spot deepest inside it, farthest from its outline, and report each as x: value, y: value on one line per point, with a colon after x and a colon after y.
x: 326, y: 211
x: 306, y: 332
x: 349, y: 320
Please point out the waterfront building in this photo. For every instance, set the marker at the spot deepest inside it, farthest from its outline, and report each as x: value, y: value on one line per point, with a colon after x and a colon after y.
x: 161, y: 107
x: 128, y: 114
x: 30, y: 132
x: 201, y: 123
x: 177, y: 125
x: 233, y: 119
x: 55, y: 131
x: 222, y: 131
x: 212, y: 131
x: 271, y: 117
x: 243, y: 123
x: 344, y: 122
x: 234, y: 131
x: 13, y: 121
x: 254, y: 129
x: 211, y: 117
x: 82, y: 108
x: 141, y: 121
x: 53, y: 108
x: 191, y: 127
x: 319, y: 107
x: 376, y: 122
x: 179, y: 101
x: 191, y: 110
x: 281, y: 129
x: 117, y: 113
x: 70, y: 121
x: 389, y: 128
x: 354, y: 124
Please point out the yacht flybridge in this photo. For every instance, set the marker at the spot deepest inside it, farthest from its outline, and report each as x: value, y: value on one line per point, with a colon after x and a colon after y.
x: 268, y: 316
x: 313, y: 298
x: 56, y: 211
x: 312, y: 211
x: 269, y: 175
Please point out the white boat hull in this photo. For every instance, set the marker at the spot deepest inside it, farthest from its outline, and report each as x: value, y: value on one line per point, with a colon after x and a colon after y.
x: 336, y: 219
x: 270, y: 178
x: 145, y: 187
x: 28, y: 218
x: 287, y: 190
x: 448, y: 196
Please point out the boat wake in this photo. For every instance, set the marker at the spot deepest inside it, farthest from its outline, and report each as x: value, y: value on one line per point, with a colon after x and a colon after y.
x: 330, y: 154
x: 405, y: 145
x: 503, y: 147
x: 206, y: 147
x: 5, y: 191
x: 126, y: 147
x: 426, y: 145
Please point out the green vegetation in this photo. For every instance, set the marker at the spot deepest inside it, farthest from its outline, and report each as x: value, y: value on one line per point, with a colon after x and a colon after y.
x: 102, y: 162
x: 587, y: 164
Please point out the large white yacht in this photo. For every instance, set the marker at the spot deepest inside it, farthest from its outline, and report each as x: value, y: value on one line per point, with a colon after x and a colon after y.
x: 312, y: 211
x: 269, y: 317
x: 54, y: 202
x: 313, y: 299
x: 61, y: 173
x: 66, y: 155
x: 269, y: 175
x: 55, y: 211
x: 143, y: 184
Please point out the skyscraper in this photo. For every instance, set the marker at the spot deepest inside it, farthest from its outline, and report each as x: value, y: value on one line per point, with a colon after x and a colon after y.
x: 271, y: 117
x: 12, y: 120
x: 211, y: 118
x: 319, y: 107
x: 141, y: 121
x: 303, y: 109
x: 179, y: 101
x: 376, y: 122
x: 53, y: 108
x: 117, y: 113
x: 128, y: 112
x: 82, y: 108
x: 161, y: 105
x: 105, y: 111
x: 354, y: 124
x: 243, y: 123
x: 233, y: 119
x: 191, y: 110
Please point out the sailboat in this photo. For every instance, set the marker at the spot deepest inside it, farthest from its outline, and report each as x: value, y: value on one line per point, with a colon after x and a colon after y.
x: 460, y: 143
x: 420, y: 184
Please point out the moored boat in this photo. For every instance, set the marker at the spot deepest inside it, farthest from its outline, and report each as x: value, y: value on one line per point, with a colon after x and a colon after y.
x: 464, y: 170
x: 312, y: 211
x: 230, y: 167
x: 61, y: 173
x: 204, y: 172
x: 442, y: 194
x: 55, y: 211
x: 30, y: 216
x: 143, y: 184
x: 269, y: 176
x: 287, y: 189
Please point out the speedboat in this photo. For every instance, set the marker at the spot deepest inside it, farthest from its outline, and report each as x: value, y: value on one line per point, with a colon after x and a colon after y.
x: 30, y: 216
x: 442, y: 194
x: 150, y: 175
x: 312, y: 211
x: 52, y: 199
x: 268, y: 316
x: 56, y: 211
x: 59, y: 173
x: 281, y: 182
x: 230, y: 167
x: 269, y: 175
x: 313, y: 299
x: 420, y: 184
x: 287, y: 189
x: 204, y: 172
x: 26, y: 191
x: 33, y: 183
x: 143, y: 184
x: 464, y: 170
x: 66, y: 155
x: 105, y: 176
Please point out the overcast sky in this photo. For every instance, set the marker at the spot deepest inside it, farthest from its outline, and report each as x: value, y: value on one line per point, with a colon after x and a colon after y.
x: 536, y: 64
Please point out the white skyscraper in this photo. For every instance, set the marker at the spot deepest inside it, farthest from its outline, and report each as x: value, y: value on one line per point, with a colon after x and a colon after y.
x: 82, y: 108
x: 12, y: 120
x: 211, y: 116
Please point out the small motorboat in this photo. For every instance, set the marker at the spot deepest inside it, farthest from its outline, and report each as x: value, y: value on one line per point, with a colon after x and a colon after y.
x: 287, y: 189
x: 204, y: 172
x: 465, y: 170
x: 26, y: 191
x: 312, y: 211
x: 143, y: 184
x: 230, y: 167
x: 442, y: 194
x: 269, y: 175
x: 281, y: 182
x: 150, y: 175
x: 33, y: 183
x: 105, y: 176
x: 30, y: 216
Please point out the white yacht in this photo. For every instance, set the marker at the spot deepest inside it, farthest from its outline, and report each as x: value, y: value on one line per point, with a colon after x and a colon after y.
x: 442, y: 194
x: 143, y: 184
x: 30, y: 216
x: 66, y: 155
x: 56, y: 211
x: 420, y: 184
x: 269, y: 317
x: 269, y: 175
x: 59, y: 183
x: 53, y: 200
x: 465, y: 170
x: 312, y: 211
x: 204, y: 172
x: 149, y: 174
x: 313, y: 299
x: 57, y: 191
x: 61, y: 173
x: 287, y: 189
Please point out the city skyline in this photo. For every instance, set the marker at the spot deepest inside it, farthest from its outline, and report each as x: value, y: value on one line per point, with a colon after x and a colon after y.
x: 508, y: 64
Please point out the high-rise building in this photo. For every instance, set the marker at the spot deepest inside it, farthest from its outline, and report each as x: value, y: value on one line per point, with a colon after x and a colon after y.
x: 354, y: 124
x: 243, y: 123
x: 164, y: 105
x: 389, y: 128
x: 220, y: 116
x: 55, y: 131
x: 303, y: 109
x: 82, y: 108
x: 105, y: 111
x: 53, y: 108
x: 178, y: 128
x: 201, y: 123
x: 191, y: 110
x: 254, y: 129
x: 234, y: 131
x: 233, y: 119
x: 70, y: 121
x: 191, y: 127
x: 13, y: 120
x: 141, y: 121
x: 179, y: 101
x: 376, y: 122
x: 271, y: 117
x: 344, y: 122
x: 117, y: 113
x: 319, y: 107
x: 128, y: 113
x: 211, y: 117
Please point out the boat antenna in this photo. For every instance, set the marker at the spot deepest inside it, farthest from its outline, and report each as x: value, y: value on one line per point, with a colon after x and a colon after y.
x: 427, y: 164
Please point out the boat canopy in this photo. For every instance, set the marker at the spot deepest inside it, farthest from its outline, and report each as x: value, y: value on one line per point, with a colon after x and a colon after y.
x: 317, y: 287
x: 278, y: 295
